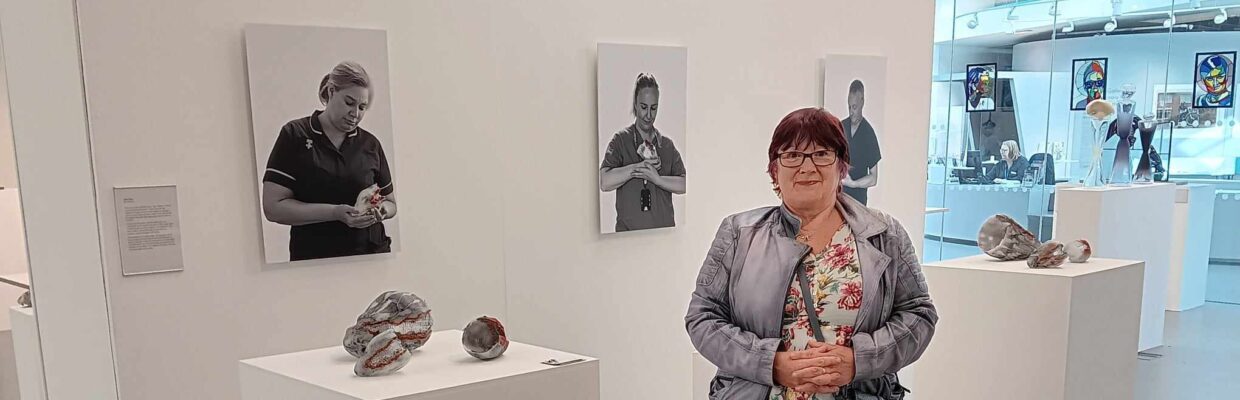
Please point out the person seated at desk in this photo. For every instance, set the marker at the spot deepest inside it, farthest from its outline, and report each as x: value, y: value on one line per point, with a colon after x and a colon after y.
x: 1013, y: 166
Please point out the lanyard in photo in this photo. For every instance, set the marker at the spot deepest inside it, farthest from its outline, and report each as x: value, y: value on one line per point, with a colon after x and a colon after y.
x: 649, y: 147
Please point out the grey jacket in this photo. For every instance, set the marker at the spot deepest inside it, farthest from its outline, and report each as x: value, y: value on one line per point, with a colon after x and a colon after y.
x: 735, y: 315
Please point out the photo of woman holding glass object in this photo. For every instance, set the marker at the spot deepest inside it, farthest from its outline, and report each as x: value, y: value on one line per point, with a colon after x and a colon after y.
x: 328, y: 178
x: 642, y: 166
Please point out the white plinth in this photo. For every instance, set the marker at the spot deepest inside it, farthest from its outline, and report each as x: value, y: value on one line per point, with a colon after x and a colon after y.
x: 26, y: 351
x: 1134, y: 223
x: 440, y: 370
x: 1014, y: 333
x: 1192, y: 223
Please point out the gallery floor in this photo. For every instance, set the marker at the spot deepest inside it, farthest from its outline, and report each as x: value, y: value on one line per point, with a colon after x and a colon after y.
x: 1200, y: 356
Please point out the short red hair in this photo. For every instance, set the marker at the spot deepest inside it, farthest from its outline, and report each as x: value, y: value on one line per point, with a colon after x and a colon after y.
x: 808, y: 126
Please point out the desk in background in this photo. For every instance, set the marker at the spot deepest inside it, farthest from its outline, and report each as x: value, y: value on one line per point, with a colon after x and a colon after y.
x: 971, y: 205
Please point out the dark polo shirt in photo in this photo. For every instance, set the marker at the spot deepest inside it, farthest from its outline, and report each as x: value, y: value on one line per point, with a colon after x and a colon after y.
x: 622, y: 151
x: 863, y: 154
x: 305, y: 161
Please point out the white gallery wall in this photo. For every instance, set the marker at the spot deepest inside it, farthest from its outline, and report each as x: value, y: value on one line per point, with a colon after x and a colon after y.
x: 494, y: 118
x: 8, y: 164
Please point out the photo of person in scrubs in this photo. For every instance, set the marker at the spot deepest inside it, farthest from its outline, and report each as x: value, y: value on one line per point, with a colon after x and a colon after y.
x: 642, y: 166
x: 863, y: 143
x: 328, y: 178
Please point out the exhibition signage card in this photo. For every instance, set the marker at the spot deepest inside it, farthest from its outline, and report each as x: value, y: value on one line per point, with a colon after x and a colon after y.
x: 149, y: 228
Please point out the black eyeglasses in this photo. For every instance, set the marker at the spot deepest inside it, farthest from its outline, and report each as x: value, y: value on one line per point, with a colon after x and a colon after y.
x: 794, y: 159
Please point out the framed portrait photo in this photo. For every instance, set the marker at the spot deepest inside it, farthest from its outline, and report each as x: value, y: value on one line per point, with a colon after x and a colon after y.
x: 854, y: 89
x: 641, y: 136
x: 322, y: 130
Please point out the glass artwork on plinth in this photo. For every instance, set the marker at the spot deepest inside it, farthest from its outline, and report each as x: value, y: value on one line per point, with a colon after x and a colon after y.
x: 1125, y: 103
x: 1101, y: 112
x: 385, y: 335
x: 1003, y: 238
x: 484, y: 338
x: 1150, y: 161
x: 1121, y: 168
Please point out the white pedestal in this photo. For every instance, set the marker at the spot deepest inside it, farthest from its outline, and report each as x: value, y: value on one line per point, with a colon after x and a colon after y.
x: 440, y: 370
x: 26, y: 351
x: 1193, y: 220
x: 1010, y: 332
x: 1129, y: 222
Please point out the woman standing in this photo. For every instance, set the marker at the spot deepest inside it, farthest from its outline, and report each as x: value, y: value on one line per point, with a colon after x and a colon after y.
x: 643, y: 166
x: 818, y: 298
x: 328, y: 178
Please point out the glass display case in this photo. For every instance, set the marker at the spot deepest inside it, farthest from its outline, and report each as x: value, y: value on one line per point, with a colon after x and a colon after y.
x: 1201, y: 143
x: 1169, y: 64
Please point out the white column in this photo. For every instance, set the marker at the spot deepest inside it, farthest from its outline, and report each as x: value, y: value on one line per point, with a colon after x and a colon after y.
x: 47, y: 105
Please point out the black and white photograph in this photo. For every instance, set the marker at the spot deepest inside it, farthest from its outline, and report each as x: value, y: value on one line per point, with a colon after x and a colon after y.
x: 322, y: 141
x: 855, y: 90
x: 641, y: 131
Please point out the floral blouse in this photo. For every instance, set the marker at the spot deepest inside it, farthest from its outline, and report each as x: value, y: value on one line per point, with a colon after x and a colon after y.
x: 835, y: 276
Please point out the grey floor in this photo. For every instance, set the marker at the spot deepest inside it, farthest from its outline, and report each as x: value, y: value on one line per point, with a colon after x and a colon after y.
x: 1201, y: 353
x: 1200, y: 356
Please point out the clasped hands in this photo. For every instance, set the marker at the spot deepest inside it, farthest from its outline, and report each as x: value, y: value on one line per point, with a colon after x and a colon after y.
x: 820, y: 368
x: 358, y: 219
x: 647, y: 169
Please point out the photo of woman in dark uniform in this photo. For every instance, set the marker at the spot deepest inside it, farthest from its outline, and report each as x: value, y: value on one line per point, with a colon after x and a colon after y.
x: 643, y: 166
x: 328, y: 178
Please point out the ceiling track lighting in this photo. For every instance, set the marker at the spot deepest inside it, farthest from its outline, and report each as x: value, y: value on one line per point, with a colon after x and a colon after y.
x: 1170, y: 21
x: 972, y: 24
x: 1221, y: 17
x: 1071, y: 27
x: 1110, y: 26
